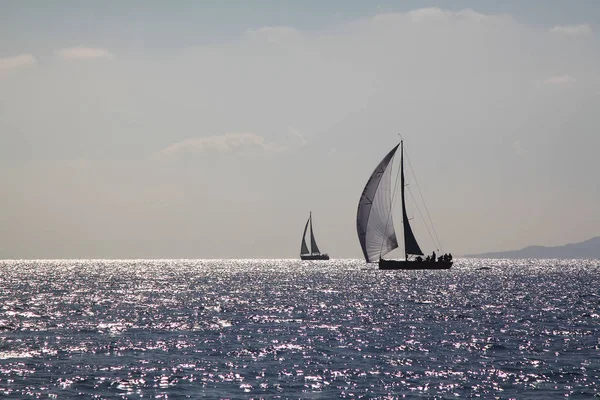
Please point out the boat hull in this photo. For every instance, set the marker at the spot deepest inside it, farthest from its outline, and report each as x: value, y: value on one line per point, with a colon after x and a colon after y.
x: 403, y: 264
x: 314, y: 257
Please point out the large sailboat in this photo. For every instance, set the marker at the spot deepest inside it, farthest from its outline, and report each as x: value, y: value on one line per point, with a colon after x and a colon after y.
x: 314, y: 253
x: 375, y: 226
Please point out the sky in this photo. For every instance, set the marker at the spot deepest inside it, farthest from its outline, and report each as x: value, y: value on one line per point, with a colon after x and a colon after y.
x: 185, y: 129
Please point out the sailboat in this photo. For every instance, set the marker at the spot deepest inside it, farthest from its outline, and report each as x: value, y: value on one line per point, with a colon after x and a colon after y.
x: 375, y: 226
x: 314, y: 253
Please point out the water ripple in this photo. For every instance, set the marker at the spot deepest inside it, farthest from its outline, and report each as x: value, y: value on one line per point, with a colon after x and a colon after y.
x: 283, y: 328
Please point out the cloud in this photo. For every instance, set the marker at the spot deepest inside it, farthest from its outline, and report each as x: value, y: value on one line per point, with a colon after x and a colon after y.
x: 559, y: 80
x: 432, y: 14
x: 223, y: 143
x: 572, y: 30
x: 297, y: 136
x: 81, y: 52
x: 273, y: 34
x: 518, y: 148
x: 18, y: 61
x: 435, y: 13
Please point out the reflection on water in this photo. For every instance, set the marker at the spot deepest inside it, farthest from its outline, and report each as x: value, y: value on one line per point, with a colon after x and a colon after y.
x: 282, y: 328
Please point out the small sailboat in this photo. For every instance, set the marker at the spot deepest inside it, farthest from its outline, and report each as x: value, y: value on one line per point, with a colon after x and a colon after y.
x: 314, y: 253
x: 375, y: 226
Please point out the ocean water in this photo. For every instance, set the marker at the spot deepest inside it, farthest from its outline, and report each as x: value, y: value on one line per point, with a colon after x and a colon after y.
x: 243, y: 329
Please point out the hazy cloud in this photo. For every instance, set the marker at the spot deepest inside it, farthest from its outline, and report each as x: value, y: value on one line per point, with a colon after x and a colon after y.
x: 518, y: 148
x: 435, y: 13
x: 559, y: 80
x: 273, y: 34
x: 572, y: 30
x: 82, y: 52
x: 18, y: 61
x: 297, y: 136
x: 223, y: 143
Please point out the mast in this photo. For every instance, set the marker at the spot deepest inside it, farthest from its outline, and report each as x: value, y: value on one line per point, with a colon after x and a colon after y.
x: 404, y: 218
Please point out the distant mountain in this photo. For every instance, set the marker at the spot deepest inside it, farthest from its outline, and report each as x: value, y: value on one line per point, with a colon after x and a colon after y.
x: 588, y: 249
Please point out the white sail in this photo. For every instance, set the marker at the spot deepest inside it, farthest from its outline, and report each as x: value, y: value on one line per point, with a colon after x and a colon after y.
x: 303, y: 247
x: 374, y: 222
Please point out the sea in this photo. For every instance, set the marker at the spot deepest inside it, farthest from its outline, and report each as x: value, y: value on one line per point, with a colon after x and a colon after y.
x: 287, y: 329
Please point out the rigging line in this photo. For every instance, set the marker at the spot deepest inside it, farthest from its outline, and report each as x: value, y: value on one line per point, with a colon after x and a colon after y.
x: 426, y: 226
x: 425, y: 222
x: 436, y: 239
x: 424, y: 204
x: 391, y: 205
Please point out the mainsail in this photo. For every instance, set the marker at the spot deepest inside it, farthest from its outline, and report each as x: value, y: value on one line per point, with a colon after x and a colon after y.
x: 374, y: 222
x: 314, y: 249
x: 304, y: 248
x: 410, y: 243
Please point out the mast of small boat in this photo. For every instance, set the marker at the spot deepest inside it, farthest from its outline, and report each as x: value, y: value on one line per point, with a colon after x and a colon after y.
x: 402, y: 192
x: 312, y: 240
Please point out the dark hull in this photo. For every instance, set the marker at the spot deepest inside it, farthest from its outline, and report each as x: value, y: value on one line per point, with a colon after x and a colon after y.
x: 402, y: 264
x: 314, y: 257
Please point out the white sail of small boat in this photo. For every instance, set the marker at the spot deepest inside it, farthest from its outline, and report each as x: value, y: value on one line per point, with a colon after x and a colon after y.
x: 375, y: 225
x: 314, y: 253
